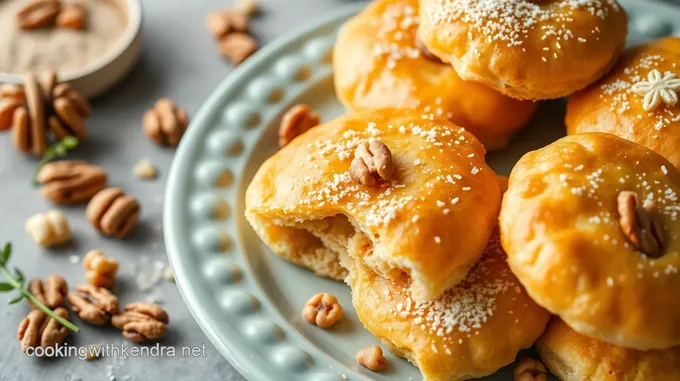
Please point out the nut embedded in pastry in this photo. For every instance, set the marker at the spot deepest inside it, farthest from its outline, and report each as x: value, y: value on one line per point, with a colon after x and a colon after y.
x: 471, y: 331
x: 430, y: 221
x: 526, y: 49
x: 571, y: 248
x: 575, y: 357
x: 378, y: 63
x: 611, y: 105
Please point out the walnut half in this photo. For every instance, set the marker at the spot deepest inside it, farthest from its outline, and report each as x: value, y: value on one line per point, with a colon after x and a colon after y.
x: 142, y: 321
x: 38, y: 329
x: 323, y: 310
x: 94, y: 305
x: 641, y: 223
x: 51, y: 293
x: 371, y: 160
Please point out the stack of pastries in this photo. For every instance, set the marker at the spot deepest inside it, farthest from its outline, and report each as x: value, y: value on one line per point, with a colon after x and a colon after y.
x: 453, y: 267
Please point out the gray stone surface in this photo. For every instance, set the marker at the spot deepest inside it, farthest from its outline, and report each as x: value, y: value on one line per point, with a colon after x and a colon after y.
x: 180, y: 61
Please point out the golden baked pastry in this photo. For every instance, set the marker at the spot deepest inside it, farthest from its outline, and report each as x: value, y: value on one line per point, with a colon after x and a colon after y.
x: 574, y: 357
x: 431, y: 220
x: 637, y: 100
x: 590, y: 225
x: 471, y: 331
x: 377, y: 64
x: 526, y: 49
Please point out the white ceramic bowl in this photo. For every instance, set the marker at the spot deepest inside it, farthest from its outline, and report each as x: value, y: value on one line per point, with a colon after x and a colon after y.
x: 105, y: 72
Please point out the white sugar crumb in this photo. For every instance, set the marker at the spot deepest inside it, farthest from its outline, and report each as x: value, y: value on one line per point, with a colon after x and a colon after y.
x: 400, y: 22
x: 74, y: 259
x: 610, y: 281
x: 664, y: 170
x: 440, y: 204
x: 455, y: 200
x: 437, y: 239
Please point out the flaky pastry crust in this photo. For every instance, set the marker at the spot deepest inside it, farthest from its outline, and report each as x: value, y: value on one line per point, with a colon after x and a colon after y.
x: 526, y: 49
x: 610, y: 105
x: 560, y: 227
x: 575, y: 357
x: 471, y: 331
x: 377, y: 64
x: 430, y: 221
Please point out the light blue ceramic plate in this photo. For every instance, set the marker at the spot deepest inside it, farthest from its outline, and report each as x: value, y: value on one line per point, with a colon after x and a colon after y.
x: 246, y: 300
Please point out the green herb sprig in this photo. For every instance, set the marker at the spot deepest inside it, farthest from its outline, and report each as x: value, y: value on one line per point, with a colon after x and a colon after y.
x: 57, y: 150
x: 16, y: 282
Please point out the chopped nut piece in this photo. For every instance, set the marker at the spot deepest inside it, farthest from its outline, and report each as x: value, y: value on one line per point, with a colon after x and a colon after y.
x: 100, y: 271
x: 142, y: 321
x: 249, y: 7
x: 51, y: 293
x: 528, y: 369
x: 145, y: 170
x: 221, y: 23
x: 370, y: 161
x: 295, y: 122
x: 38, y: 14
x: 49, y: 229
x: 236, y: 47
x: 94, y: 305
x: 372, y: 358
x: 71, y: 182
x: 38, y: 329
x: 113, y: 213
x: 641, y: 224
x: 72, y: 16
x: 323, y: 310
x: 165, y: 123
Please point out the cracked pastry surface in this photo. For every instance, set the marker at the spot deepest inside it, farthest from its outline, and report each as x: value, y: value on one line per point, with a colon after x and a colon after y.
x: 470, y: 331
x: 574, y: 357
x: 526, y: 49
x: 377, y: 64
x: 569, y: 245
x: 431, y: 220
x: 616, y: 103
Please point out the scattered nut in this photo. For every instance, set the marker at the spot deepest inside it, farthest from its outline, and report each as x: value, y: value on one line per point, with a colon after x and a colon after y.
x: 94, y: 305
x: 93, y: 352
x: 49, y: 229
x: 100, y: 271
x: 145, y: 170
x: 249, y: 7
x: 165, y: 123
x: 71, y: 182
x: 51, y: 293
x: 425, y: 52
x: 72, y: 16
x: 169, y: 274
x: 371, y: 161
x: 323, y: 310
x: 372, y: 358
x: 142, y: 321
x: 38, y: 14
x: 113, y: 213
x: 296, y: 121
x: 236, y: 47
x: 641, y: 224
x: 528, y: 369
x: 38, y: 329
x: 221, y: 23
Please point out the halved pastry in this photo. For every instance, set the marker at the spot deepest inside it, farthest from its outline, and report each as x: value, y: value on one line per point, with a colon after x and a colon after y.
x: 429, y: 220
x: 471, y: 331
x: 574, y: 357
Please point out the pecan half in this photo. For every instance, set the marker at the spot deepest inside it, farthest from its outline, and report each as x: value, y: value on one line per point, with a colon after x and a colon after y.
x: 38, y: 329
x: 370, y: 161
x: 113, y: 213
x: 641, y: 223
x: 323, y: 310
x: 221, y: 23
x: 296, y: 121
x: 73, y: 16
x: 372, y: 358
x: 71, y: 182
x: 165, y: 123
x: 51, y: 293
x: 142, y: 321
x: 100, y: 271
x: 38, y: 14
x: 94, y: 305
x: 7, y: 108
x: 528, y: 369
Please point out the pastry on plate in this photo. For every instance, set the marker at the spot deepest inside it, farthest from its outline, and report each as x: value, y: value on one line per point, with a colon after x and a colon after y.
x: 590, y: 225
x: 471, y: 331
x: 526, y: 49
x: 574, y: 357
x: 637, y: 100
x: 427, y: 216
x: 378, y: 63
